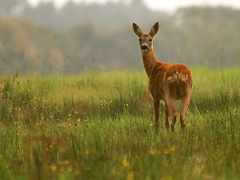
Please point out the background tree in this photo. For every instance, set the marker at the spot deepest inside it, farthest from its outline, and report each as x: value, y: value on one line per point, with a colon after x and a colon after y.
x: 80, y: 37
x: 7, y: 6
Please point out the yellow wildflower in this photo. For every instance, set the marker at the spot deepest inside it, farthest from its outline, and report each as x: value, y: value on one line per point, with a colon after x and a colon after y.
x: 172, y: 148
x: 86, y: 152
x: 165, y: 151
x: 130, y: 176
x: 53, y: 167
x: 125, y: 162
x: 88, y: 168
x: 70, y: 168
x: 153, y: 151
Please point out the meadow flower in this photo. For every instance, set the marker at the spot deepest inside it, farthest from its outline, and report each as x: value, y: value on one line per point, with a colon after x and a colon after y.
x: 166, y: 151
x: 172, y: 148
x: 53, y: 167
x: 167, y: 178
x: 130, y: 175
x: 70, y: 168
x: 153, y: 151
x: 86, y: 152
x: 151, y: 124
x: 125, y: 162
x: 88, y: 168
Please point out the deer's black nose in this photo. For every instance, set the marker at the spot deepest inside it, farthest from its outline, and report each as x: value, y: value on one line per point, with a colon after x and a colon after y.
x: 144, y: 47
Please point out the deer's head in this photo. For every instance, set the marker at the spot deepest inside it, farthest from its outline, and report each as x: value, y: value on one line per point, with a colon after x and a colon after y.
x: 145, y: 39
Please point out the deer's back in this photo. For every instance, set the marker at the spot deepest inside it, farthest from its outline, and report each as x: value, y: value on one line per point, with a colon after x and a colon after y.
x: 163, y: 75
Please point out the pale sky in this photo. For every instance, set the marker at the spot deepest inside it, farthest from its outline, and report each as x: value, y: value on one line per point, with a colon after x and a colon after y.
x: 169, y: 5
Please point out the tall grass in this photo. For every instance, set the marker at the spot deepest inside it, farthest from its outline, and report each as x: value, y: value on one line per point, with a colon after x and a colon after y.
x: 100, y: 126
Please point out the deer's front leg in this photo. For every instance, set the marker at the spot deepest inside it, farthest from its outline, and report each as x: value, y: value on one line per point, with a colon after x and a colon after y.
x: 157, y: 111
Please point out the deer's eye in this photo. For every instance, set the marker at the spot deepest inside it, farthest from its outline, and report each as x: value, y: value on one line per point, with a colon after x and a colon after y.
x: 150, y: 40
x: 140, y: 40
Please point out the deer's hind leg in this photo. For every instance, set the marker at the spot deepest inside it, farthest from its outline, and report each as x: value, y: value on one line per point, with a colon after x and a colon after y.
x: 185, y: 98
x: 157, y: 112
x: 185, y: 101
x: 166, y: 116
x: 172, y: 109
x: 170, y: 100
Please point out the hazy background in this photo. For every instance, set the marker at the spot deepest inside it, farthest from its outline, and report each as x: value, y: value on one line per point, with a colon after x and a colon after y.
x: 46, y: 37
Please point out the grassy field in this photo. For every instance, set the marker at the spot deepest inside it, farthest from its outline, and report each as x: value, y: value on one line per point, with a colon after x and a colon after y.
x: 101, y: 126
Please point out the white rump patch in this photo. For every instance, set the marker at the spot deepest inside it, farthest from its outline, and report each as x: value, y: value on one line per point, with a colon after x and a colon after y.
x: 185, y: 78
x: 170, y: 79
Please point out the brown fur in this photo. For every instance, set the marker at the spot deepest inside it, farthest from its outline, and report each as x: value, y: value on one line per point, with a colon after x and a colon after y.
x: 167, y: 82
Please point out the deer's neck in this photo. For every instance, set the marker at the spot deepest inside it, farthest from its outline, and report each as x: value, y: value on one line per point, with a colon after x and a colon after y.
x: 149, y: 60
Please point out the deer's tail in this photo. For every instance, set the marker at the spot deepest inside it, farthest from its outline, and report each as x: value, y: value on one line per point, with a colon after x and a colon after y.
x: 180, y: 76
x: 177, y: 77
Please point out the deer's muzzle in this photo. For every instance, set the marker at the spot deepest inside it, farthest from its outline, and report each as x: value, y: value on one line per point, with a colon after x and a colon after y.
x: 144, y: 48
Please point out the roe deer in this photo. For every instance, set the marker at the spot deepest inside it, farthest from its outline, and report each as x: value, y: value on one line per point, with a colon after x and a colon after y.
x: 167, y: 82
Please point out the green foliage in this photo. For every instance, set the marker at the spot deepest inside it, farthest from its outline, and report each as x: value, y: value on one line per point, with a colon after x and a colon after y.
x: 100, y: 126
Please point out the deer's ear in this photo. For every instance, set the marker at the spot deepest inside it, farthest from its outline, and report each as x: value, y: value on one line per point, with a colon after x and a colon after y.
x: 137, y: 30
x: 154, y: 29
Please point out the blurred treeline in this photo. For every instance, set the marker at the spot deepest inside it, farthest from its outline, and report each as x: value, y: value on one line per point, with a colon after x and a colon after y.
x: 80, y: 37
